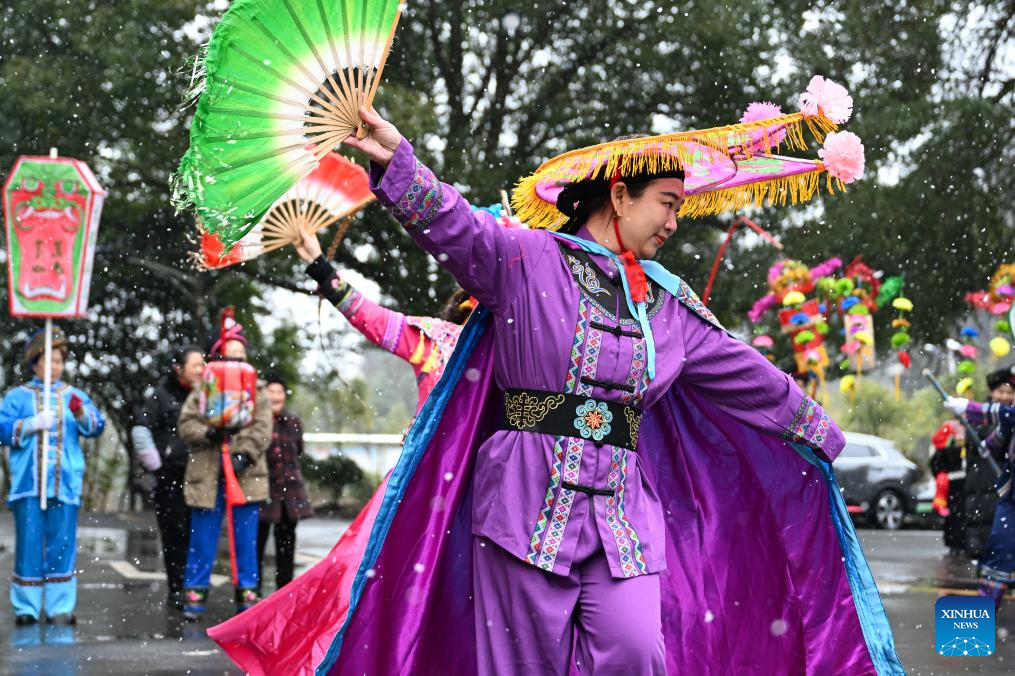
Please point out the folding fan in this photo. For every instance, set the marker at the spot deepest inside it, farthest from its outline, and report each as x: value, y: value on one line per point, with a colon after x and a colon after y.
x: 280, y: 85
x: 336, y: 190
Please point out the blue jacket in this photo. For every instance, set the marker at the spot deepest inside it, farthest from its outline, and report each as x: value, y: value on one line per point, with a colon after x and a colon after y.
x: 66, y: 467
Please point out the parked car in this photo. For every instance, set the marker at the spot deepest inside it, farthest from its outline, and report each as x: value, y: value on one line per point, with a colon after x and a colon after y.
x: 878, y: 482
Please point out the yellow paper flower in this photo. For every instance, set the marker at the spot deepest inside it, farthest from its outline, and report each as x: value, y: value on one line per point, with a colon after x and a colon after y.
x: 999, y: 347
x: 902, y: 304
x: 904, y: 323
x: 793, y: 298
x: 864, y: 337
x: 964, y: 385
x: 847, y: 384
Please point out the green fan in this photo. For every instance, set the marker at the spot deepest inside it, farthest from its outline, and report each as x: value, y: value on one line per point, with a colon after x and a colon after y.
x: 281, y: 83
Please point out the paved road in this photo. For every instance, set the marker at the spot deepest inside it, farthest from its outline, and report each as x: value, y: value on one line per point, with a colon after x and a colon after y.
x: 124, y: 628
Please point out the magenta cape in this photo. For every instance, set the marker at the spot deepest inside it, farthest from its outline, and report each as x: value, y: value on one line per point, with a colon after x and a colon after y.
x: 765, y: 573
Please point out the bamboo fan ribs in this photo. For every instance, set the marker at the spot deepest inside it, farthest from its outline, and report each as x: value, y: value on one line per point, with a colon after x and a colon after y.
x: 281, y: 83
x: 332, y: 194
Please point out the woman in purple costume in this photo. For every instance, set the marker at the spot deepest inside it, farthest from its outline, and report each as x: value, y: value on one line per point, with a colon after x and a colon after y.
x: 656, y: 496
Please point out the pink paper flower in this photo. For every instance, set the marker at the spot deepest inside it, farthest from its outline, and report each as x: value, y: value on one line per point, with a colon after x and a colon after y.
x: 763, y: 341
x: 827, y: 97
x: 968, y: 351
x: 760, y: 307
x: 775, y: 271
x: 843, y: 156
x: 826, y: 269
x: 763, y: 110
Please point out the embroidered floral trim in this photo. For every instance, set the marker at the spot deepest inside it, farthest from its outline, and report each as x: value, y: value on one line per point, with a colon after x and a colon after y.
x: 525, y: 410
x: 562, y: 510
x: 586, y: 276
x: 810, y: 425
x: 629, y: 552
x: 421, y: 201
x: 350, y: 304
x: 392, y: 331
x: 634, y: 423
x: 690, y: 299
x: 593, y: 421
x: 570, y: 384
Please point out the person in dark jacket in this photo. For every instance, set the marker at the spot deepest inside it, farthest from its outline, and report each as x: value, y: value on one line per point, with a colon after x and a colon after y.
x: 980, y: 484
x: 161, y: 451
x: 948, y: 465
x: 288, y: 502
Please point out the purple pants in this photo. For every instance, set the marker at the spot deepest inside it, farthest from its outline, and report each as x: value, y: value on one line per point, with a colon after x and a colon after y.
x: 527, y: 619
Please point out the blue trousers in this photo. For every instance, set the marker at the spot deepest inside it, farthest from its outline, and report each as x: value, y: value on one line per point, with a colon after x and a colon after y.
x: 45, y: 548
x: 999, y: 552
x: 205, y: 526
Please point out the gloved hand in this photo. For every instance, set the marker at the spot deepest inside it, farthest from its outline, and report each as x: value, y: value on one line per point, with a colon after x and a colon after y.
x: 77, y: 406
x: 956, y: 405
x: 149, y: 458
x: 218, y: 435
x: 44, y: 420
x: 241, y: 461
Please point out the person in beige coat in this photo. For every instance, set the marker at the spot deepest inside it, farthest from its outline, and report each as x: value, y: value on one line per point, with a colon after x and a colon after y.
x: 204, y: 487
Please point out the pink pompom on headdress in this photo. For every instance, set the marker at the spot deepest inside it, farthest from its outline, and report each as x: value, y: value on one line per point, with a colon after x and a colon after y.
x: 827, y: 97
x: 764, y: 110
x: 843, y: 156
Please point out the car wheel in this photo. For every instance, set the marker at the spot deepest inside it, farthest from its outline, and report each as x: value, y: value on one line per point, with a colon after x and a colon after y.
x: 889, y: 510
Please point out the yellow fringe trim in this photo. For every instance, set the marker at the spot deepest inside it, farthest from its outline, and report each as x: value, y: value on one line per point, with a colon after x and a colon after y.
x: 417, y: 355
x: 431, y: 361
x: 673, y: 151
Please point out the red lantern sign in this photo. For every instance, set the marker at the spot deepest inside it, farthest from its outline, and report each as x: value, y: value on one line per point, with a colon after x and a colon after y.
x: 52, y: 207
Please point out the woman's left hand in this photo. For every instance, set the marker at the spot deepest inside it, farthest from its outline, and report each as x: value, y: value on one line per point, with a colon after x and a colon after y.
x: 381, y: 141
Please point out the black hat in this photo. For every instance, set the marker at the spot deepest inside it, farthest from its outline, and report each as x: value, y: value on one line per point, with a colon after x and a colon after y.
x: 996, y: 379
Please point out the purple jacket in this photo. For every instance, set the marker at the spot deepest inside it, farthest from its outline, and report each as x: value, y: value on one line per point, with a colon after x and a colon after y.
x: 557, y: 311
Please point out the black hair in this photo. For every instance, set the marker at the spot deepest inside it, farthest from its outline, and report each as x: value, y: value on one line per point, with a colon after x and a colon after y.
x: 453, y: 311
x: 275, y: 378
x: 580, y: 200
x: 180, y: 355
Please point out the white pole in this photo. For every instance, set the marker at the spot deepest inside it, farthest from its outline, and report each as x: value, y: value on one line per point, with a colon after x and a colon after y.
x: 47, y: 386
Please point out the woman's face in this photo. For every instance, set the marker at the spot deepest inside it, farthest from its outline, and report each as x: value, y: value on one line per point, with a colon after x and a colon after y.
x: 1003, y: 394
x: 190, y: 371
x: 56, y: 370
x: 647, y: 221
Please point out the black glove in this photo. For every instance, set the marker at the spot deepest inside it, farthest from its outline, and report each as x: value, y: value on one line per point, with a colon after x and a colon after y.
x: 218, y: 435
x: 241, y: 461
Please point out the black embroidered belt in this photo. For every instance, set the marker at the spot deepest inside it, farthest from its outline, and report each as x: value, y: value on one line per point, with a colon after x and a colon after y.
x: 570, y: 415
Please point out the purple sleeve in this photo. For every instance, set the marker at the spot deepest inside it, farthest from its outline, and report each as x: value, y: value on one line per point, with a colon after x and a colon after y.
x: 998, y: 416
x: 742, y: 383
x: 490, y: 261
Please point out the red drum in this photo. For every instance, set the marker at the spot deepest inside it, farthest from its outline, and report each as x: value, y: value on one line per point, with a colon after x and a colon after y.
x: 228, y: 396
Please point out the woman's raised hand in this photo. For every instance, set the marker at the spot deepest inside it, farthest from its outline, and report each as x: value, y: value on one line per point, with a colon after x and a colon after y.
x: 381, y: 140
x: 307, y: 247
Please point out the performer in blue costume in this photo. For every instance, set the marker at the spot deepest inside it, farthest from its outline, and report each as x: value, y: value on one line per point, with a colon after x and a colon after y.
x: 46, y: 540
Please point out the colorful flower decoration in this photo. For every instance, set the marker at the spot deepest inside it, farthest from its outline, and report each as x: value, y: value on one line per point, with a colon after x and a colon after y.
x: 593, y: 421
x: 999, y: 297
x: 764, y: 345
